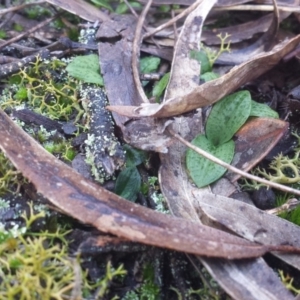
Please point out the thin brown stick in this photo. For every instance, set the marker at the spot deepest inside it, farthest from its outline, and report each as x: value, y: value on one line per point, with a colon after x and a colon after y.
x: 136, y: 52
x: 233, y: 169
x: 33, y: 29
x: 174, y: 28
x: 18, y: 7
x: 259, y: 8
x: 131, y: 8
x: 172, y: 21
x: 286, y: 207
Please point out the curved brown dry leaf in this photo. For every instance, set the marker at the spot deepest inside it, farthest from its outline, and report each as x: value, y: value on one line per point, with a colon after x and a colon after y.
x: 254, y: 141
x: 184, y: 76
x: 212, y: 91
x: 92, y: 204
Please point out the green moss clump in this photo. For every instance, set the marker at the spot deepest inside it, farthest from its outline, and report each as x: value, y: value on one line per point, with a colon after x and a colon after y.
x: 148, y: 289
x: 46, y: 87
x: 37, y: 266
x: 285, y: 169
x: 10, y: 178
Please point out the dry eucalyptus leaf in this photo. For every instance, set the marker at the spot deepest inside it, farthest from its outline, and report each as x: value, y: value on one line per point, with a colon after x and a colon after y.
x: 223, y: 2
x: 81, y: 8
x: 93, y: 205
x: 115, y: 61
x: 185, y: 73
x: 148, y: 136
x: 251, y: 279
x: 250, y: 222
x: 212, y: 91
x: 240, y: 32
x: 254, y: 141
x: 264, y: 43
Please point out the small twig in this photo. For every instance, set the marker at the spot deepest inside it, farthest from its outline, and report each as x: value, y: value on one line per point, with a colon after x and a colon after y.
x: 174, y: 27
x: 131, y: 8
x: 33, y: 29
x: 288, y: 206
x: 18, y: 7
x: 233, y: 169
x: 258, y: 8
x: 172, y: 21
x: 136, y: 52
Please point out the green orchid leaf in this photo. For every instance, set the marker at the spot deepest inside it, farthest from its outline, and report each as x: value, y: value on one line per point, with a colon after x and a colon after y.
x: 160, y: 86
x: 262, y: 110
x: 128, y: 183
x: 208, y: 76
x: 134, y: 157
x: 227, y: 116
x: 86, y: 68
x: 122, y: 8
x: 203, y: 171
x: 102, y: 3
x: 149, y: 64
x: 202, y: 58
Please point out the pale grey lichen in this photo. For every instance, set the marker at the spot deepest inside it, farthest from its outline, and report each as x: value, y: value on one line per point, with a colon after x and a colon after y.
x: 103, y: 150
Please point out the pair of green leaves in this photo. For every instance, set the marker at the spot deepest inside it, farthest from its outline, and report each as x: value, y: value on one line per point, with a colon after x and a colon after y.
x: 128, y: 183
x: 226, y: 118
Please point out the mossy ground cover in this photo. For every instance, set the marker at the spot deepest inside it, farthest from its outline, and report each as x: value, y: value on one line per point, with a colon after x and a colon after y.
x: 46, y: 255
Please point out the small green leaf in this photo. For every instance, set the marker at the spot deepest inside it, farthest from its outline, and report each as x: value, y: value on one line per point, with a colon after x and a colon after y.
x: 227, y: 116
x: 203, y: 171
x: 2, y: 34
x: 128, y: 183
x: 164, y: 8
x: 21, y: 94
x: 102, y: 3
x: 122, y: 8
x: 149, y: 64
x: 160, y: 86
x: 202, y: 58
x: 262, y: 110
x: 134, y: 157
x: 18, y: 27
x: 208, y: 76
x: 86, y: 68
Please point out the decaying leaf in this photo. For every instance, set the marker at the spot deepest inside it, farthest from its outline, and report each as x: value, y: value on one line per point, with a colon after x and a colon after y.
x: 182, y: 76
x: 249, y: 222
x: 240, y: 32
x: 115, y: 62
x: 81, y: 8
x: 254, y: 141
x: 222, y: 2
